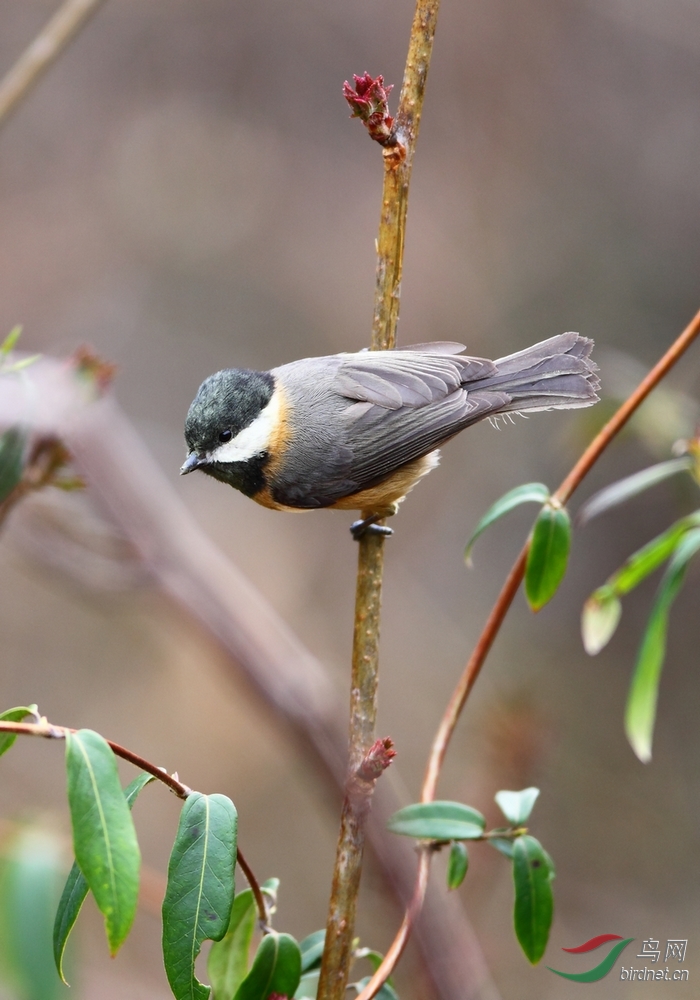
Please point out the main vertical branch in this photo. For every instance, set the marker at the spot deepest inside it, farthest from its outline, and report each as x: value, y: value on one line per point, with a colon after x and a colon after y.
x: 398, y: 159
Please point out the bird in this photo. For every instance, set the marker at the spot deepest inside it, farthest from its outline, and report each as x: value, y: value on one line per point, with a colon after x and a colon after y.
x: 357, y: 431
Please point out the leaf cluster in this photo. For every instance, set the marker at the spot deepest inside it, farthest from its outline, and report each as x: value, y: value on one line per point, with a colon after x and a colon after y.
x: 442, y: 823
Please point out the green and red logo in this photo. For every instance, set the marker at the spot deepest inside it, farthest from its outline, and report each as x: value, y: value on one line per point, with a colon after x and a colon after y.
x: 604, y: 967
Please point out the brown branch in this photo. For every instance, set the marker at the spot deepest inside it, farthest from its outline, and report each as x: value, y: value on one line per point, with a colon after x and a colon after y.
x: 51, y: 732
x: 398, y: 159
x: 397, y: 946
x: 256, y: 890
x: 46, y: 47
x: 139, y: 503
x: 495, y: 620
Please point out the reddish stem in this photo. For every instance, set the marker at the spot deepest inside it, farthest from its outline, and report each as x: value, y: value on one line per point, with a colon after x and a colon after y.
x: 51, y: 732
x: 494, y: 622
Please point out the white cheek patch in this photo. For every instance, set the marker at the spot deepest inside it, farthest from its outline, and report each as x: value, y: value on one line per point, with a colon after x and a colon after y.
x: 253, y: 439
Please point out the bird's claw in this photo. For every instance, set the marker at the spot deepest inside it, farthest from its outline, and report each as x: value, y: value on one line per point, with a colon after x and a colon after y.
x: 368, y: 526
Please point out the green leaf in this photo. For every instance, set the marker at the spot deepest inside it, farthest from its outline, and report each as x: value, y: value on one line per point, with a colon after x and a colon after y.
x: 18, y: 366
x: 12, y: 445
x: 643, y: 562
x: 631, y: 486
x: 227, y: 965
x: 200, y: 890
x: 602, y: 611
x: 276, y: 969
x: 517, y: 806
x: 311, y: 950
x: 504, y: 845
x: 457, y: 865
x: 438, y: 821
x: 28, y: 897
x: 308, y: 985
x: 529, y: 493
x: 76, y: 888
x: 640, y: 712
x: 548, y: 555
x: 14, y: 715
x: 385, y: 993
x: 599, y: 619
x: 533, y: 872
x: 10, y: 342
x: 104, y: 838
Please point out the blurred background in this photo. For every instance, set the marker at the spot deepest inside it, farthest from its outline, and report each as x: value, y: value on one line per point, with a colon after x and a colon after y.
x: 184, y: 191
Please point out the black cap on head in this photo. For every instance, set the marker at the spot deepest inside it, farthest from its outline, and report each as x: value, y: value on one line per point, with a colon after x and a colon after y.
x: 229, y: 400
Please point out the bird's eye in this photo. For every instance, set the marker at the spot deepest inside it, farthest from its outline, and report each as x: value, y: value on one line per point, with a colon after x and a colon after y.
x: 225, y: 436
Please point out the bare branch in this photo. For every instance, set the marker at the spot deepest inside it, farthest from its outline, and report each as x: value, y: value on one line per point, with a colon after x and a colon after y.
x: 46, y: 47
x: 497, y: 616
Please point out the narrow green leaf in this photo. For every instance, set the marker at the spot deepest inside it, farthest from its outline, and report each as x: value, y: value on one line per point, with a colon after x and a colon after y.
x: 10, y: 341
x: 227, y: 965
x: 311, y: 950
x: 308, y: 985
x: 548, y: 555
x: 640, y: 712
x: 18, y: 366
x: 533, y: 872
x: 504, y: 845
x: 517, y: 806
x: 76, y: 888
x: 104, y: 838
x: 599, y: 619
x: 457, y: 865
x: 528, y: 493
x: 12, y: 445
x: 200, y: 890
x: 276, y: 969
x: 438, y: 821
x: 31, y: 886
x: 14, y: 715
x: 643, y: 562
x: 631, y: 486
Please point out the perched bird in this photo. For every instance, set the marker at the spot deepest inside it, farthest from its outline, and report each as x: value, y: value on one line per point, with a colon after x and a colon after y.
x: 357, y: 431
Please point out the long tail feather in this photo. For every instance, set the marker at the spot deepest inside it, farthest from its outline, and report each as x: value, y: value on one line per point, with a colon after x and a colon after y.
x: 555, y: 374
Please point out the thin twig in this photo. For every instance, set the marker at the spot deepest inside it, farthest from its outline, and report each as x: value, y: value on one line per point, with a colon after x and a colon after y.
x: 340, y: 927
x: 256, y: 890
x: 46, y: 47
x: 510, y: 587
x: 51, y: 732
x: 494, y: 622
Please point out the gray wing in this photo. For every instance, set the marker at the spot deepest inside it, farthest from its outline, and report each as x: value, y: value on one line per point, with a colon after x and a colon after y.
x: 408, y: 403
x: 360, y: 417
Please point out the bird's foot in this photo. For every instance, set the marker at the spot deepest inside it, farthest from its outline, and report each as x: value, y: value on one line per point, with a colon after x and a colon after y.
x: 368, y: 525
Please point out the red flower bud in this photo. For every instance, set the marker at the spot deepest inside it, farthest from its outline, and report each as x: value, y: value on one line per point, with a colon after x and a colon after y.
x: 377, y: 759
x: 369, y: 103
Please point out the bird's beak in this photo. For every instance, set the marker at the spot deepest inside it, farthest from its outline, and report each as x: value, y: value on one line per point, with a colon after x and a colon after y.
x: 192, y: 462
